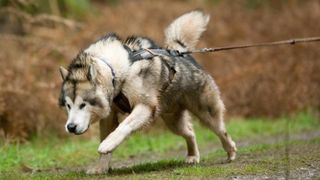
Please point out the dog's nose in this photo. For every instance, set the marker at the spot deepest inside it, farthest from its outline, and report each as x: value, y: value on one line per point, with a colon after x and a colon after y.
x: 71, y: 127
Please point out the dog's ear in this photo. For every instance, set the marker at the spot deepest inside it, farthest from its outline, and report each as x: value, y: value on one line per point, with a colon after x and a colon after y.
x: 92, y: 74
x: 63, y: 73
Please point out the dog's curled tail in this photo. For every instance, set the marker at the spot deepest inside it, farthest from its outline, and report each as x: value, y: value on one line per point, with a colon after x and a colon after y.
x: 184, y: 32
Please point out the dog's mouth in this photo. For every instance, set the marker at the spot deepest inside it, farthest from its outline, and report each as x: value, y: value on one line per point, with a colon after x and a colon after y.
x: 81, y: 132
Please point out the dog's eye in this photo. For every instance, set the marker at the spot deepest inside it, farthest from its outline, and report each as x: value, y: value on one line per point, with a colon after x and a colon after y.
x: 92, y: 102
x: 82, y: 105
x: 68, y: 106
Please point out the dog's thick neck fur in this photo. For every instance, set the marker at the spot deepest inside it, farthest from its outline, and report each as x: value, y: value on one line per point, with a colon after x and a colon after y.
x: 110, y: 50
x: 108, y: 57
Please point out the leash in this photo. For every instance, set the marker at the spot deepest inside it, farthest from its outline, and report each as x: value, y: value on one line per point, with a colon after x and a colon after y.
x: 150, y: 53
x: 266, y: 44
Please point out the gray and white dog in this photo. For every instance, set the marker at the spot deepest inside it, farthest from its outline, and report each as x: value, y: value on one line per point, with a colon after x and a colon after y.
x: 147, y: 82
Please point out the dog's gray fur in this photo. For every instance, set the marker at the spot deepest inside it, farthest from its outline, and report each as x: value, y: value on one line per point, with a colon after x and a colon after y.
x: 103, y: 81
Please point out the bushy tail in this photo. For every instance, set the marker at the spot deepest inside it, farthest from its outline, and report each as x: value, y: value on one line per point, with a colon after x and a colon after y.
x: 184, y: 32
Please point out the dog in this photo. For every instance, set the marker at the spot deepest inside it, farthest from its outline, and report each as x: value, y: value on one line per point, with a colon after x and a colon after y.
x: 138, y: 78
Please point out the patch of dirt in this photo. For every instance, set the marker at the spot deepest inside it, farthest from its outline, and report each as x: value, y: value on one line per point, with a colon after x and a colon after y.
x: 204, y: 151
x: 307, y: 167
x: 304, y: 160
x: 306, y: 173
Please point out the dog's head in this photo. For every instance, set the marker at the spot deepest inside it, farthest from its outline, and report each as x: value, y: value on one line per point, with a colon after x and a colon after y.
x: 85, y: 97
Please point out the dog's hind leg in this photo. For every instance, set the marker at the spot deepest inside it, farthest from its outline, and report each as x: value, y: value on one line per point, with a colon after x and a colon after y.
x: 210, y: 110
x: 211, y: 115
x: 106, y: 126
x: 179, y: 123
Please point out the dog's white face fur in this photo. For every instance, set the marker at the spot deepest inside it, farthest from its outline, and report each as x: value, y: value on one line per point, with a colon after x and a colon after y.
x: 78, y: 114
x: 84, y: 100
x: 88, y: 84
x: 82, y: 111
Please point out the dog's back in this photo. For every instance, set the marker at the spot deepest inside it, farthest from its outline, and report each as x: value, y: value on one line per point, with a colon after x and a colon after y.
x: 192, y: 89
x: 190, y: 80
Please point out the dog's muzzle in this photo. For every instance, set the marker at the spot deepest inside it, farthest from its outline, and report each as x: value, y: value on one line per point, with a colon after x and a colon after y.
x: 72, y: 128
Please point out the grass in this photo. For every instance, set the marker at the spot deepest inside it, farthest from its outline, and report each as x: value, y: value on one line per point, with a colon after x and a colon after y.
x: 53, y: 152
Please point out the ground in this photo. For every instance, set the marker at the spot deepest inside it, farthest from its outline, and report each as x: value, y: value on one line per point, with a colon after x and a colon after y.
x: 276, y: 149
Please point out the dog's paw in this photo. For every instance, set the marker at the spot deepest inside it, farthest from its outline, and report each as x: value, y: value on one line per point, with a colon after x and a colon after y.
x: 105, y: 147
x: 101, y: 166
x: 231, y: 156
x: 192, y: 159
x: 97, y: 169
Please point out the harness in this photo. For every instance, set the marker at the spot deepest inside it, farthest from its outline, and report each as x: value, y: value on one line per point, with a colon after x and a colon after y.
x: 121, y: 100
x: 150, y: 53
x: 112, y: 71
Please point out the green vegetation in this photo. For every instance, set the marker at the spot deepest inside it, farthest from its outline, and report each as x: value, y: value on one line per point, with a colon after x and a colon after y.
x: 46, y: 155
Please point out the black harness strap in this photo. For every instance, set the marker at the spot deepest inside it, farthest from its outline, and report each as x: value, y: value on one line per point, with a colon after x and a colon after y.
x: 150, y: 53
x: 111, y: 69
x: 171, y: 72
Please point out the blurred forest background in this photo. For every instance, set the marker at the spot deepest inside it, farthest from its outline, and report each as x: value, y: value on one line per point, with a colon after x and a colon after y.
x: 38, y: 36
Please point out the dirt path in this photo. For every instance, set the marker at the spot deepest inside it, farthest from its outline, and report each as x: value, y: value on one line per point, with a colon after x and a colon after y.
x: 302, y: 166
x: 150, y: 157
x: 302, y: 162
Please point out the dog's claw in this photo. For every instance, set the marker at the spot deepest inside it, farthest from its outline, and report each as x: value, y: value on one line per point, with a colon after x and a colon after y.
x: 192, y: 159
x: 101, y: 166
x: 231, y: 156
x: 98, y: 169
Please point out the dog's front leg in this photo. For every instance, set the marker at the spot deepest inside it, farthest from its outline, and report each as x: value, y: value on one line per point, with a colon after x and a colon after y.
x: 106, y: 127
x: 139, y: 116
